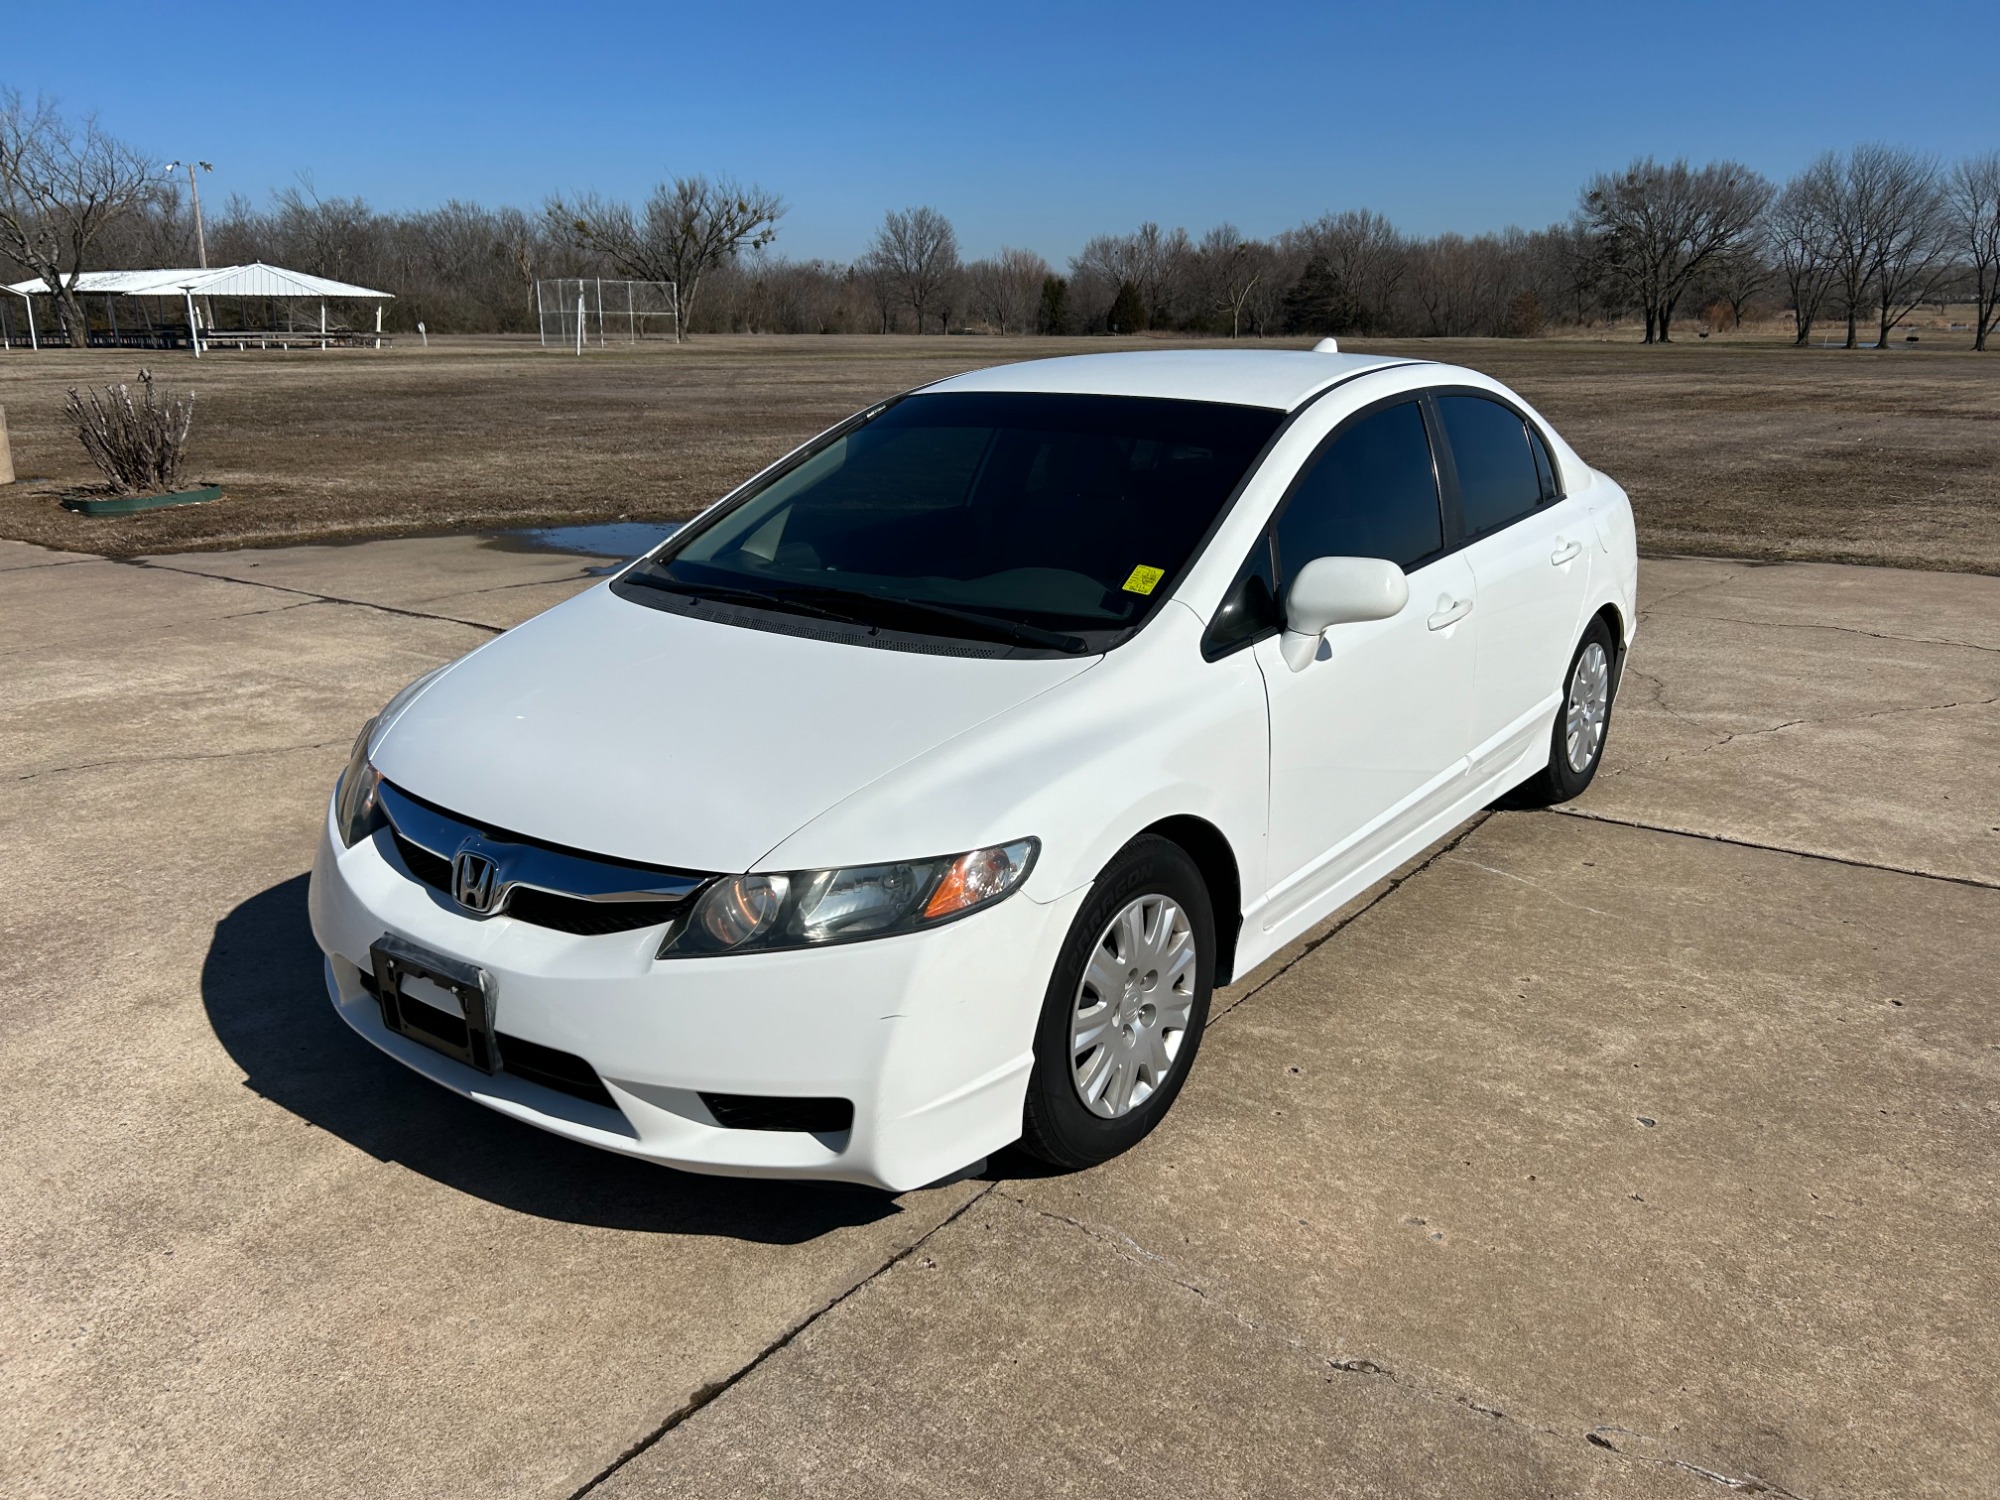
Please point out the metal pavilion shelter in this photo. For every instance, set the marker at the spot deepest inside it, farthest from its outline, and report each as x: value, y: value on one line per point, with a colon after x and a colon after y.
x: 197, y: 289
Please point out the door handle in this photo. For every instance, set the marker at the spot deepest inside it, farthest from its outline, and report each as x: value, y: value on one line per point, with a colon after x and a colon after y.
x: 1449, y: 612
x: 1566, y: 552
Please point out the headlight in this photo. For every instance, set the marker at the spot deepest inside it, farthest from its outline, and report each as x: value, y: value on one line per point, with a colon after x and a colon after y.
x: 808, y: 908
x: 357, y: 810
x: 357, y: 807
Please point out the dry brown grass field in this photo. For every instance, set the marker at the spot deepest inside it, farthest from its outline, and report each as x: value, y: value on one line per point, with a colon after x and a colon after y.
x: 1729, y: 447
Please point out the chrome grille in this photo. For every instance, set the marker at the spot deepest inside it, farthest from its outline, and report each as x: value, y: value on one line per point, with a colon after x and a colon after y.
x: 534, y: 882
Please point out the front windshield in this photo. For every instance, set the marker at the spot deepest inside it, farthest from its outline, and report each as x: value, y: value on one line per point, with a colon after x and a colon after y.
x: 1030, y: 519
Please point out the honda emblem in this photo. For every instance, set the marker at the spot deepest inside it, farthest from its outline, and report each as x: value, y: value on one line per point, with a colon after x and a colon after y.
x: 473, y: 881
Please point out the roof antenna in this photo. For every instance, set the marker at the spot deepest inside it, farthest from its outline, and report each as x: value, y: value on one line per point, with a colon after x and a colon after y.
x: 1327, y: 346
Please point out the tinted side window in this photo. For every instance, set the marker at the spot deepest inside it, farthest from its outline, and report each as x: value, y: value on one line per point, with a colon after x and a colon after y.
x: 1372, y: 494
x: 1498, y: 478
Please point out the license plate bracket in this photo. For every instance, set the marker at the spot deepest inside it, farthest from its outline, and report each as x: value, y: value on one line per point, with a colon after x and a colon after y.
x: 467, y: 1036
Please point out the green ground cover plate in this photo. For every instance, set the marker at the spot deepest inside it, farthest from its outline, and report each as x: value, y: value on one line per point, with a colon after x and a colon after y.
x: 124, y: 505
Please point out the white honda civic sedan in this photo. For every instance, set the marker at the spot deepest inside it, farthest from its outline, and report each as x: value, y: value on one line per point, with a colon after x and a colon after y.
x: 912, y: 800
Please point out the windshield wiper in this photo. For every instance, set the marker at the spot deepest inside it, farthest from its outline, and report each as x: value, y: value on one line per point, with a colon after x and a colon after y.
x: 1011, y: 630
x: 730, y: 593
x: 991, y: 626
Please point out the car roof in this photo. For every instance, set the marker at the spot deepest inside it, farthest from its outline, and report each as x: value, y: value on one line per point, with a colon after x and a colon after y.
x: 1277, y: 378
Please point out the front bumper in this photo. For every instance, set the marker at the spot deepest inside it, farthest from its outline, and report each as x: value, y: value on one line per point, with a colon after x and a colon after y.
x: 930, y: 1034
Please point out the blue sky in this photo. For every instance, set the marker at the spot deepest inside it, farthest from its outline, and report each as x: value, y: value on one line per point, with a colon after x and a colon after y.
x: 1028, y: 124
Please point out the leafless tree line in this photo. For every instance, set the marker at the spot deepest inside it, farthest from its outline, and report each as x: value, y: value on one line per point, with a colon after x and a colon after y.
x: 1860, y: 239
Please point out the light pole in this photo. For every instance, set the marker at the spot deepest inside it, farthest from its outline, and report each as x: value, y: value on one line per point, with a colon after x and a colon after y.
x: 194, y: 188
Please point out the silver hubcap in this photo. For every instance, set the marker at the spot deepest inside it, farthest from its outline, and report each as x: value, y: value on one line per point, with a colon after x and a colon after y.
x: 1132, y: 1008
x: 1589, y: 707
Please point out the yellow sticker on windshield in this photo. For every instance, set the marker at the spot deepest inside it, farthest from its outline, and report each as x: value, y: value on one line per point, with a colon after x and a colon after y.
x: 1144, y: 580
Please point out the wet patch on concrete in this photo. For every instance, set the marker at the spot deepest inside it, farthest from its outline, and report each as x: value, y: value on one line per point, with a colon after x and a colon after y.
x: 623, y: 540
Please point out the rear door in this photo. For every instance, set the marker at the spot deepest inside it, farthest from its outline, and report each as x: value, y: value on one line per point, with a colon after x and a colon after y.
x: 1372, y: 736
x: 1526, y: 543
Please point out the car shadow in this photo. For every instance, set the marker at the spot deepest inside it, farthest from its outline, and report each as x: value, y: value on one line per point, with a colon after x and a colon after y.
x: 266, y: 999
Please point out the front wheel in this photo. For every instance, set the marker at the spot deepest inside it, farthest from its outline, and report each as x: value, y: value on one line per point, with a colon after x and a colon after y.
x: 1125, y: 1009
x: 1576, y: 744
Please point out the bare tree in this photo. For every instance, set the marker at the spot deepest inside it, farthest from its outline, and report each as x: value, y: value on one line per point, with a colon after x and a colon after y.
x: 62, y: 186
x: 1159, y: 264
x: 1883, y: 210
x: 916, y: 253
x: 1804, y: 240
x: 1227, y: 270
x: 1006, y: 291
x: 686, y: 229
x: 1364, y: 257
x: 1663, y: 224
x: 331, y: 237
x: 1451, y: 279
x: 1912, y: 244
x: 1737, y: 276
x: 1975, y: 213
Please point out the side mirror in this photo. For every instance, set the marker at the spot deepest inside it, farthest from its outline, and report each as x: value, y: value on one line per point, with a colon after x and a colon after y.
x: 1332, y: 591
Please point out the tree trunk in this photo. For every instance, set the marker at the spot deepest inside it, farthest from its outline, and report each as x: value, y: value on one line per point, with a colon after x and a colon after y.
x: 1882, y: 337
x: 75, y: 322
x: 1666, y: 322
x: 1853, y: 331
x: 1649, y: 324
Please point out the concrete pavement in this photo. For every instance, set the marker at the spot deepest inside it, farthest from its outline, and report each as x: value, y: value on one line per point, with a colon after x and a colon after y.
x: 1582, y: 1157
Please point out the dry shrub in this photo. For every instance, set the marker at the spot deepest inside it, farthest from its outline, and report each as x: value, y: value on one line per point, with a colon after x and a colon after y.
x: 138, y: 446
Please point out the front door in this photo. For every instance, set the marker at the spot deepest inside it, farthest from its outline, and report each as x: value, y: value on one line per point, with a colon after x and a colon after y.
x: 1370, y: 738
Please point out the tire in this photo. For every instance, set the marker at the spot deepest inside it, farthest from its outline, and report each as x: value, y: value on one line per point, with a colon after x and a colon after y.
x: 1154, y: 878
x: 1589, y: 688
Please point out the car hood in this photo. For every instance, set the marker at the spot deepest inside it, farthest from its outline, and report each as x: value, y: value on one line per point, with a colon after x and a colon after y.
x: 616, y: 729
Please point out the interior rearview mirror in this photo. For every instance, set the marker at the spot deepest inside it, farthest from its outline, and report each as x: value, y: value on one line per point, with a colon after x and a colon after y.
x: 1332, y: 591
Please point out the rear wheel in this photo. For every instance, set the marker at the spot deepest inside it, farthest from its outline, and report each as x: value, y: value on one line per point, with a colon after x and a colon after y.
x: 1576, y: 743
x: 1124, y: 1012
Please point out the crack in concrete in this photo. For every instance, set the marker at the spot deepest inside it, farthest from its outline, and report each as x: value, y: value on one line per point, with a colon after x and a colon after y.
x: 61, y: 562
x: 1659, y: 698
x: 307, y: 594
x: 276, y: 609
x: 1745, y: 1483
x: 528, y: 583
x: 149, y: 760
x: 1694, y: 588
x: 1877, y: 635
x: 709, y: 1392
x: 1166, y: 1269
x: 1722, y: 838
x: 1917, y: 708
x: 1744, y: 734
x: 1395, y: 884
x: 1747, y: 734
x: 1460, y: 859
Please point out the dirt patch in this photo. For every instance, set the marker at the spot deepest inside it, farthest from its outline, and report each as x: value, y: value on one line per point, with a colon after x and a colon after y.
x: 1735, y: 449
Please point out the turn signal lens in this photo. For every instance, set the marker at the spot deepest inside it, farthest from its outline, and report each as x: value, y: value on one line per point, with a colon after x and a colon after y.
x: 810, y: 908
x: 978, y: 877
